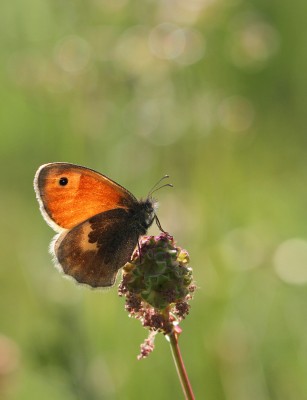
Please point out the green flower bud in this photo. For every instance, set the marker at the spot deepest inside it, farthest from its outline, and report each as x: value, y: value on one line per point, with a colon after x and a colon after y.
x: 158, y: 272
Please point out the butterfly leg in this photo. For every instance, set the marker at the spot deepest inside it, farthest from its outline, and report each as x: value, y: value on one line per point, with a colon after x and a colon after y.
x: 159, y: 224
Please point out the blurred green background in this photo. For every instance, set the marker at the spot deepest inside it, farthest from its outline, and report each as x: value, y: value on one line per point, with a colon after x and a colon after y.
x: 212, y: 92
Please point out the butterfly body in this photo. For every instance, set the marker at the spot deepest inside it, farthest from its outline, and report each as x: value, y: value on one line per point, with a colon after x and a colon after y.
x: 98, y: 221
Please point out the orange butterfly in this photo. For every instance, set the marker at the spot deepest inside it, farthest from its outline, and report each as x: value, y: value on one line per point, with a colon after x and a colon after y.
x: 98, y: 221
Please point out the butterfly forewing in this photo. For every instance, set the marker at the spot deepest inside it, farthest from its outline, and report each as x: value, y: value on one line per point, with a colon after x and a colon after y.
x: 69, y: 194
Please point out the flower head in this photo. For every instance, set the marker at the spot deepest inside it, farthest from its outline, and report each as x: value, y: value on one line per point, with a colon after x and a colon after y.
x: 157, y: 284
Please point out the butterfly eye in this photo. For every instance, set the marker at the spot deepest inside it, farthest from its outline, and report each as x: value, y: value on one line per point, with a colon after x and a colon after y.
x: 63, y: 181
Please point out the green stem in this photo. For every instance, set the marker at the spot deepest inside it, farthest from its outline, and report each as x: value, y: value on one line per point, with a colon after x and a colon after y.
x: 182, y: 373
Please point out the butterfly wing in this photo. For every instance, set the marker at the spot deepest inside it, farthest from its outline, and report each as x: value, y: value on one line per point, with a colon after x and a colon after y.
x: 94, y: 251
x: 69, y: 194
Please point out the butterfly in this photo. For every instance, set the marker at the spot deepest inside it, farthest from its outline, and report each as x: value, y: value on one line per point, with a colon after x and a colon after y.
x: 98, y: 222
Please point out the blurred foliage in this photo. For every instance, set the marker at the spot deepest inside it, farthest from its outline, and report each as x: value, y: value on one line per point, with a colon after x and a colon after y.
x: 212, y: 92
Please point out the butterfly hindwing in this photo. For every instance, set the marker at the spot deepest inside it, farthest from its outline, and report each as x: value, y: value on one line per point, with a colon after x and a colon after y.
x: 94, y: 251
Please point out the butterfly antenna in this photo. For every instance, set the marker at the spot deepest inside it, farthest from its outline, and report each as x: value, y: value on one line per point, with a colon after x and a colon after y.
x: 160, y: 187
x: 153, y: 189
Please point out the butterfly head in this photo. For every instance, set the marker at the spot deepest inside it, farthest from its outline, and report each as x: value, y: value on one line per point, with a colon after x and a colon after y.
x: 147, y: 213
x: 150, y: 205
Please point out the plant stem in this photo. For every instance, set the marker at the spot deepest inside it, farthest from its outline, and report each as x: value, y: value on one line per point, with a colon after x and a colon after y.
x: 182, y: 373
